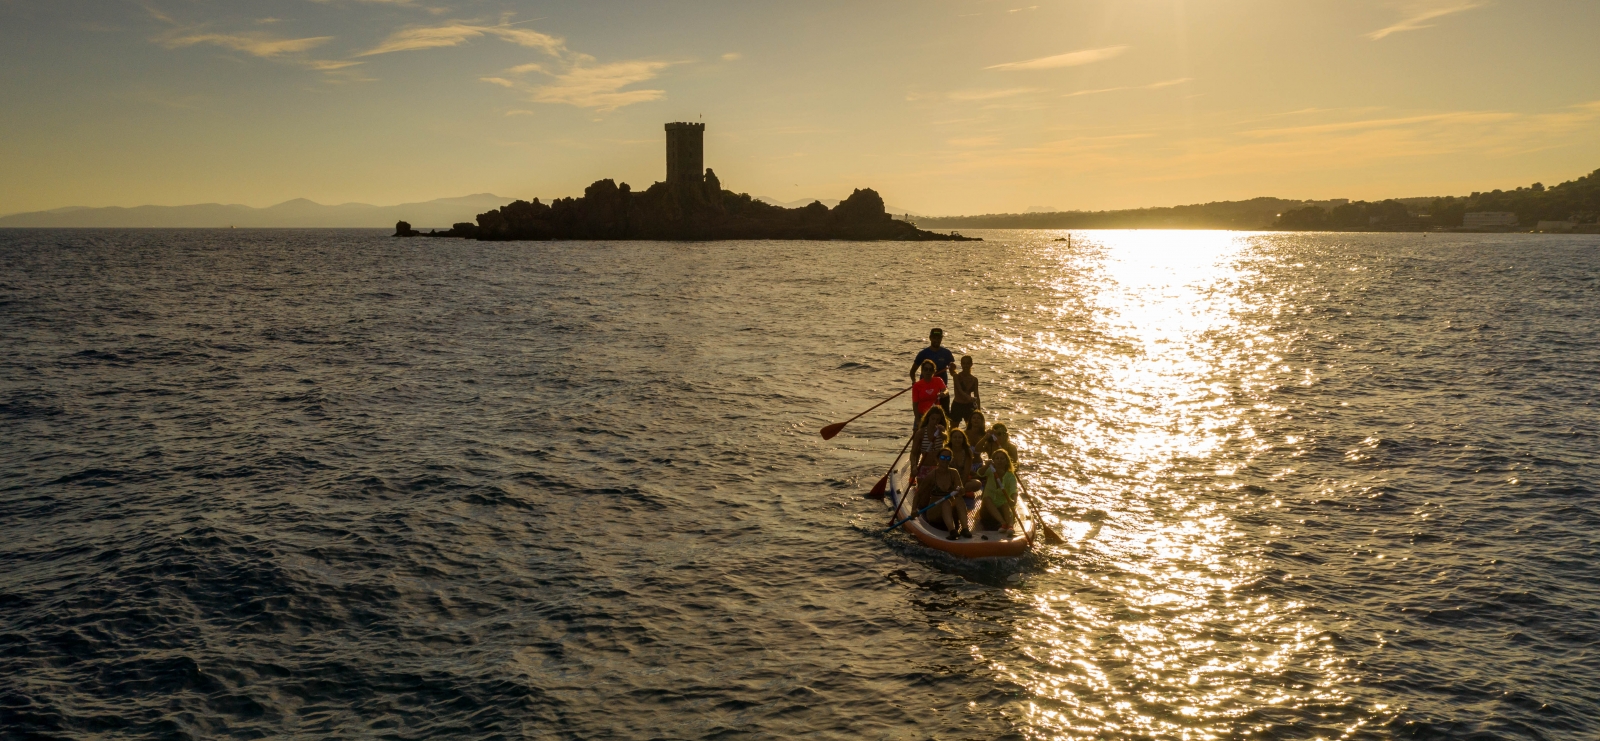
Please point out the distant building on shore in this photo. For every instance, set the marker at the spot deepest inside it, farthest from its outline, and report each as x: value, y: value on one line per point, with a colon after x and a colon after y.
x: 1479, y: 219
x: 686, y: 152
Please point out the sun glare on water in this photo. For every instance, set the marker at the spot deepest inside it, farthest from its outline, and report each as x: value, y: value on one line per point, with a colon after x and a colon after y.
x: 1140, y: 392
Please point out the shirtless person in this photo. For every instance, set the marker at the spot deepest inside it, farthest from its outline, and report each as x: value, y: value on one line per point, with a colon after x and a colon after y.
x: 967, y: 400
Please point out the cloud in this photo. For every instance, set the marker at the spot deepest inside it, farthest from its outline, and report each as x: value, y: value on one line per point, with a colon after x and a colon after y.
x: 732, y: 56
x: 969, y: 96
x: 329, y: 65
x: 1169, y: 153
x: 600, y: 86
x: 584, y: 84
x: 1151, y: 86
x: 455, y: 34
x: 1421, y: 14
x: 254, y: 44
x: 1070, y: 59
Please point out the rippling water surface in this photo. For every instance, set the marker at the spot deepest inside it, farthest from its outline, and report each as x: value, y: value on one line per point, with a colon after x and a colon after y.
x: 335, y: 484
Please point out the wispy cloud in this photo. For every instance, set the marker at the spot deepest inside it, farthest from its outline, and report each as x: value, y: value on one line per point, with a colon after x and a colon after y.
x: 329, y: 65
x: 573, y: 78
x: 588, y: 85
x: 732, y: 56
x: 258, y: 44
x: 1361, y: 145
x: 971, y: 96
x: 254, y: 44
x: 1420, y: 15
x: 1070, y: 59
x: 1151, y: 86
x: 455, y: 34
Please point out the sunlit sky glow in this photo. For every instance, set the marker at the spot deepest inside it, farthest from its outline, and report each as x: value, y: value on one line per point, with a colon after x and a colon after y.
x: 945, y: 106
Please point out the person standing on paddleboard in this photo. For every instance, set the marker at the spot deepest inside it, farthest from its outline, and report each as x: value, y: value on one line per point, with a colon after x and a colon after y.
x: 966, y: 388
x: 942, y: 359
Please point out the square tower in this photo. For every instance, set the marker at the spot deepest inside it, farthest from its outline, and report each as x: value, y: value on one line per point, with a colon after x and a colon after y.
x: 686, y: 153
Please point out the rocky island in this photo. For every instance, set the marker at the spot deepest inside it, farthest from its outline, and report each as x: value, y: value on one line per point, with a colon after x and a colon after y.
x: 688, y: 206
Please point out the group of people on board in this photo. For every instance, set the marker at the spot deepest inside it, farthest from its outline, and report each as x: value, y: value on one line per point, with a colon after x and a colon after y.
x: 972, y: 470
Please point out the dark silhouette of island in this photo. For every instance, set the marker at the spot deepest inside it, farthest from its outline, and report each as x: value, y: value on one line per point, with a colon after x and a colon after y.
x: 688, y: 206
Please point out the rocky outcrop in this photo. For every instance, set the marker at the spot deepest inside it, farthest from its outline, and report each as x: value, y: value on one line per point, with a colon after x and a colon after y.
x: 689, y: 211
x: 403, y: 229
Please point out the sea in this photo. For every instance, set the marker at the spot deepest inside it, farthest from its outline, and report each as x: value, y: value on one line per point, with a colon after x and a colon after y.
x: 333, y: 484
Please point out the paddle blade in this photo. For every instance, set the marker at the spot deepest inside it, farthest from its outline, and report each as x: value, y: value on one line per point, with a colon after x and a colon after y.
x: 831, y: 430
x: 879, y: 490
x: 1050, y: 536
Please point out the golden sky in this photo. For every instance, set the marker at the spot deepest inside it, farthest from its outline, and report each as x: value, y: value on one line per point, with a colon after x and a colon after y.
x: 946, y: 107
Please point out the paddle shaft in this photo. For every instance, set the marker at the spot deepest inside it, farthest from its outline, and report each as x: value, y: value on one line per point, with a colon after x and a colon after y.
x: 919, y: 512
x: 885, y: 480
x: 874, y: 406
x: 1050, y: 535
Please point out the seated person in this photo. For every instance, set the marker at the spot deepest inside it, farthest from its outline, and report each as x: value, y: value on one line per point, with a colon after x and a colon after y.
x: 976, y: 428
x: 1002, y: 440
x: 932, y: 436
x: 966, y: 461
x: 951, y: 514
x: 999, y: 506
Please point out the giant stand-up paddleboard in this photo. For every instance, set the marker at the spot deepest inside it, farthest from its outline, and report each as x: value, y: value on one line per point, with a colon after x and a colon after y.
x: 982, y: 544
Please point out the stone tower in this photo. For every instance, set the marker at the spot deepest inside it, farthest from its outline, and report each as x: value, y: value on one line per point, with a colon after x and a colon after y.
x: 686, y: 152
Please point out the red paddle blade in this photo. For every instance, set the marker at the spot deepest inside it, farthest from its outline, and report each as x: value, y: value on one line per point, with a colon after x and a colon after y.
x: 831, y: 430
x: 879, y: 490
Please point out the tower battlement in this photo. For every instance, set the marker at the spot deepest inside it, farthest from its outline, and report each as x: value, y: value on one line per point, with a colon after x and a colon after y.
x: 686, y: 152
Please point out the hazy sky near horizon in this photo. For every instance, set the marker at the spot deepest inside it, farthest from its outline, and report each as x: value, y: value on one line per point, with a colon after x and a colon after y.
x: 944, y: 106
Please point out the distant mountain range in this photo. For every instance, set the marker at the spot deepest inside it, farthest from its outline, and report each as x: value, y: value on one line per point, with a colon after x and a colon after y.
x: 299, y: 212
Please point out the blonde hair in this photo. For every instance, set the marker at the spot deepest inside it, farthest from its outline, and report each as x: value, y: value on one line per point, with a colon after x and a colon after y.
x: 1002, y: 461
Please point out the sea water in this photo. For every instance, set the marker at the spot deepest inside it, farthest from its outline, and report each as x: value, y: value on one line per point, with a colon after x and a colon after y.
x: 335, y: 484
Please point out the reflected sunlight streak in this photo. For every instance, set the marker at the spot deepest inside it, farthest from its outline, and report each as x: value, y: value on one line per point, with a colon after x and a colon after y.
x: 1139, y: 396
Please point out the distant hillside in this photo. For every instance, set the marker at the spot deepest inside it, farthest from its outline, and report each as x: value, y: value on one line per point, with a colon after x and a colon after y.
x: 1574, y: 202
x: 296, y: 213
x: 829, y: 202
x: 1257, y: 213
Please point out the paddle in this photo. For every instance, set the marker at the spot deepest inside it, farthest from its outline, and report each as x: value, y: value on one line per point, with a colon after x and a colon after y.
x: 924, y: 509
x: 883, y: 483
x: 833, y: 429
x: 1050, y: 535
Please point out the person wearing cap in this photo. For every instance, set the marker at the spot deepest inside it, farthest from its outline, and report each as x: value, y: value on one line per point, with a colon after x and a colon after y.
x: 942, y: 360
x: 940, y: 355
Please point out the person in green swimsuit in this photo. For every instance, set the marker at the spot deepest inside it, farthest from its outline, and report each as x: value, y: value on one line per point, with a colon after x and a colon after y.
x: 999, y: 508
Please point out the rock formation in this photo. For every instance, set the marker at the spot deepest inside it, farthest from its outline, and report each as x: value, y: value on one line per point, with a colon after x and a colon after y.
x: 688, y: 211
